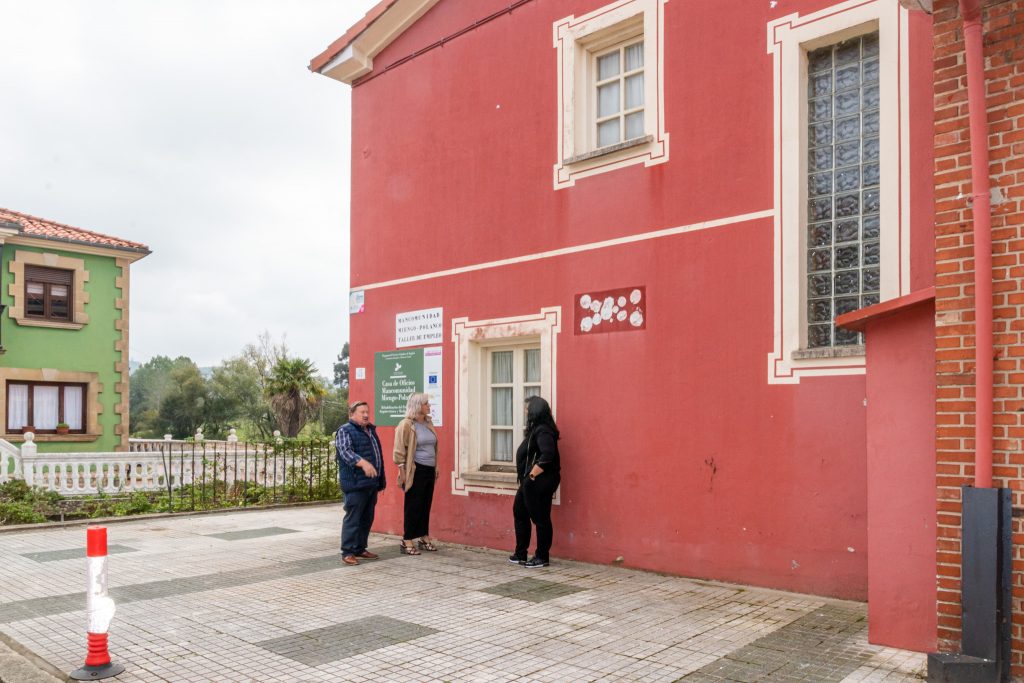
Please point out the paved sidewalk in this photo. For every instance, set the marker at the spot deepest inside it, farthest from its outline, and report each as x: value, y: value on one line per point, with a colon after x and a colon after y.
x: 263, y: 596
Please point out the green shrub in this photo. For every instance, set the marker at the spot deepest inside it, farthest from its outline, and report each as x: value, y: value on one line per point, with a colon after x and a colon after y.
x: 19, y: 513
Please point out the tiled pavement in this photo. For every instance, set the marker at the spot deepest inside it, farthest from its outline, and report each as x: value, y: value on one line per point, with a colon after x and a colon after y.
x: 262, y: 596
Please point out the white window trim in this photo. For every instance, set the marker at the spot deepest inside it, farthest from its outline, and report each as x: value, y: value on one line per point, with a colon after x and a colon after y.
x: 789, y: 39
x: 471, y: 339
x: 574, y: 39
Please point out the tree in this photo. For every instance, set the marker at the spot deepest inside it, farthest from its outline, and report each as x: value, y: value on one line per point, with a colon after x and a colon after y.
x: 295, y: 393
x: 341, y: 368
x: 149, y: 383
x: 184, y: 405
x: 236, y: 399
x: 334, y: 409
x: 153, y: 384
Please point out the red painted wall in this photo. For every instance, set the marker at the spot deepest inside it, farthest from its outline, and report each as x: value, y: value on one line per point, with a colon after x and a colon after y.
x: 901, y: 476
x: 677, y: 453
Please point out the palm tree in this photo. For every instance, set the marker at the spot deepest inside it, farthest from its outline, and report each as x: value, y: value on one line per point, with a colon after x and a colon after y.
x: 294, y: 392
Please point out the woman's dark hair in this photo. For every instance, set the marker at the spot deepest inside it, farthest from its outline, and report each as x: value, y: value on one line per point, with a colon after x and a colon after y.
x: 538, y: 413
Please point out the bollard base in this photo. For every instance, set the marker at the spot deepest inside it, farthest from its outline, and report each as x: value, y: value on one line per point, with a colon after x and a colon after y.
x: 95, y: 673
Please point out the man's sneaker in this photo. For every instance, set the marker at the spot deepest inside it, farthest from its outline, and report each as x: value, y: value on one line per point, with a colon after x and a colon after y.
x: 515, y: 559
x: 535, y: 562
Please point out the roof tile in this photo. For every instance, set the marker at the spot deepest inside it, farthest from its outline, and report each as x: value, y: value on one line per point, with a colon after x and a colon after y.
x: 32, y: 226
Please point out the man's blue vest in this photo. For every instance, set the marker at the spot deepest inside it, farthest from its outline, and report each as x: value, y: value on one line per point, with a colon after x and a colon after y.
x: 366, y: 445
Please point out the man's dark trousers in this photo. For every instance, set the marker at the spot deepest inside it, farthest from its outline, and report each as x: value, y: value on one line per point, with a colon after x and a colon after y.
x: 360, y: 506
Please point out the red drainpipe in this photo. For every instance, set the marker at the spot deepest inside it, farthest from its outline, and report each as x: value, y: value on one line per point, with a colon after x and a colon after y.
x: 970, y: 10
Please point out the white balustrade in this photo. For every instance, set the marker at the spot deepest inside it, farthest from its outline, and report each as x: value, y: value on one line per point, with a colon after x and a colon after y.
x: 150, y: 465
x: 10, y: 462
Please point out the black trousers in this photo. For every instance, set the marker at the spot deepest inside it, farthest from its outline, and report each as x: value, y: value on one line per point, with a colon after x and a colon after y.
x: 417, y: 502
x: 533, y: 504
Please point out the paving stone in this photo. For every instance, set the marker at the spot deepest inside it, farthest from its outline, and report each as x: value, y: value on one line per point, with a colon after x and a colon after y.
x: 246, y: 534
x: 74, y: 553
x: 347, y: 639
x: 532, y: 590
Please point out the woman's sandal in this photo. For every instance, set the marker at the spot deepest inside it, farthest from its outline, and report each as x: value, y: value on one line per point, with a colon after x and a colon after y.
x: 408, y: 549
x: 426, y: 545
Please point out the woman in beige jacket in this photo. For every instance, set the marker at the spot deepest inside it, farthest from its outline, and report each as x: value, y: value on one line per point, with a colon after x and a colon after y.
x: 416, y: 456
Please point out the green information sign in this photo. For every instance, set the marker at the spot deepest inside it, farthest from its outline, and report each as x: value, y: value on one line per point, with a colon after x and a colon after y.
x: 396, y: 374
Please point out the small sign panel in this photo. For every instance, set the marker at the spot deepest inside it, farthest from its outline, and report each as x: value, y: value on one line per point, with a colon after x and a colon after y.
x: 419, y: 328
x: 611, y: 310
x: 356, y: 302
x: 397, y: 374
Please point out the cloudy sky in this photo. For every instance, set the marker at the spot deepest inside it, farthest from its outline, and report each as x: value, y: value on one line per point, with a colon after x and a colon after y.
x: 192, y: 126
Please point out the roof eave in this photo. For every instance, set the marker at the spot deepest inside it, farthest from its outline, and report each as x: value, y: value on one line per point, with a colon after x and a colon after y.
x: 348, y: 60
x: 132, y: 253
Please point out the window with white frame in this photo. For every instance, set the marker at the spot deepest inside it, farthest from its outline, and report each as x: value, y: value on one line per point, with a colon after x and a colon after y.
x: 843, y: 175
x: 842, y: 210
x: 513, y: 377
x: 499, y: 363
x: 610, y: 90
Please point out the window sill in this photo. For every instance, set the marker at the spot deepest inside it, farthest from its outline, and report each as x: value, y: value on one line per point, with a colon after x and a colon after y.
x: 491, y: 478
x: 851, y: 351
x: 51, y: 438
x: 610, y: 149
x: 54, y: 324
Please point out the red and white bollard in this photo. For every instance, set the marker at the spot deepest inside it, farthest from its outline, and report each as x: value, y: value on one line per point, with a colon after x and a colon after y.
x: 99, y: 610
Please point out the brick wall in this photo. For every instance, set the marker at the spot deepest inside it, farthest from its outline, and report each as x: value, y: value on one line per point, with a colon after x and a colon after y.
x: 954, y: 268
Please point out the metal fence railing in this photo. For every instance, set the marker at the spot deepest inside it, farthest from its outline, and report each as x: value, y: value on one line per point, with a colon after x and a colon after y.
x: 191, y: 475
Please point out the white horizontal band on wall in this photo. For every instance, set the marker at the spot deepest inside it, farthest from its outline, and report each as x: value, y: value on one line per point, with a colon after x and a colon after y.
x: 565, y: 251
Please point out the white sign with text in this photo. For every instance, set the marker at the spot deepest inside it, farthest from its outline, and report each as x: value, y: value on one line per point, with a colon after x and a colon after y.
x: 418, y: 328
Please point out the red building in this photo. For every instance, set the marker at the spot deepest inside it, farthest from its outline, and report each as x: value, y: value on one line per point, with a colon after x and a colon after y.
x: 651, y: 213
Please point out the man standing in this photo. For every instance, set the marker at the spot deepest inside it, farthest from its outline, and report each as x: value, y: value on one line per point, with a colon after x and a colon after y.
x: 361, y: 474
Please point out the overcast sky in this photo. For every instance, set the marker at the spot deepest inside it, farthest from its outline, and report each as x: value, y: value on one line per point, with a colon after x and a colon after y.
x: 195, y: 127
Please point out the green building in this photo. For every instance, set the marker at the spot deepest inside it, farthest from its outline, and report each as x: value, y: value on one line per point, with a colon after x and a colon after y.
x: 64, y: 334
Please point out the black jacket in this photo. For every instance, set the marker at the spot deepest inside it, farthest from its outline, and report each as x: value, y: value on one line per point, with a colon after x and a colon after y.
x: 539, y: 448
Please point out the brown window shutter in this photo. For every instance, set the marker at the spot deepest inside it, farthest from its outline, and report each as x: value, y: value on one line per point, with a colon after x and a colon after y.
x: 53, y: 276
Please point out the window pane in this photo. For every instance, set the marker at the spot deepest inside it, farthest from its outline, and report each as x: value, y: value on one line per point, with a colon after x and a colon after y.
x: 58, y: 301
x: 608, y: 99
x: 608, y: 65
x: 635, y: 125
x: 531, y: 391
x: 532, y: 365
x: 501, y: 406
x: 635, y: 91
x: 635, y: 56
x: 501, y: 445
x: 501, y: 367
x: 34, y: 299
x: 17, y: 406
x: 73, y: 407
x: 44, y: 406
x: 843, y: 133
x: 608, y: 133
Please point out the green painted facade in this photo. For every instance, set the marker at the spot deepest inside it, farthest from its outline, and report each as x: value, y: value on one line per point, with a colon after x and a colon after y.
x: 89, y: 349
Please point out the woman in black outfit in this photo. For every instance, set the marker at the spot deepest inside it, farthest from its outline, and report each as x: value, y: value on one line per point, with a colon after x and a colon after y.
x: 539, y: 474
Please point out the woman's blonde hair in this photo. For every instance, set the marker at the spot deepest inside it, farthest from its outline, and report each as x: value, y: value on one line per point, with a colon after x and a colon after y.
x: 413, y: 405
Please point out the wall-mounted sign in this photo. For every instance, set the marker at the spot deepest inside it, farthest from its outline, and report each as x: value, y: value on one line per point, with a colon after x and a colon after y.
x: 611, y: 310
x: 418, y: 328
x: 356, y: 302
x: 397, y: 374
